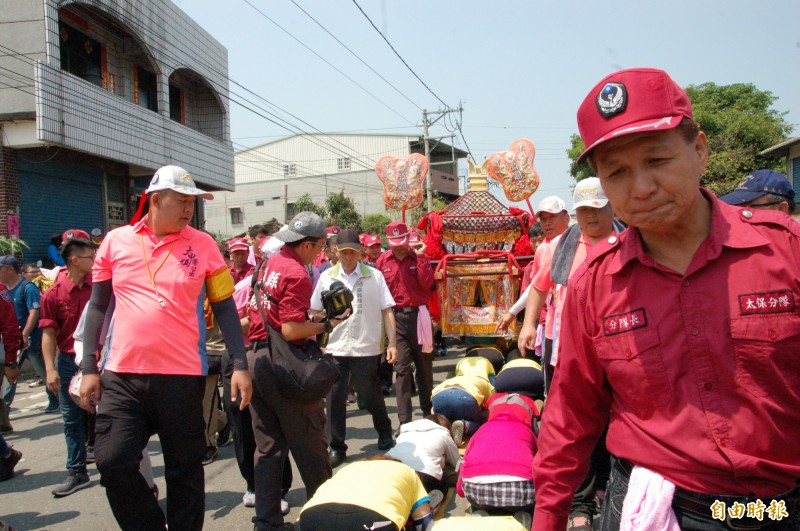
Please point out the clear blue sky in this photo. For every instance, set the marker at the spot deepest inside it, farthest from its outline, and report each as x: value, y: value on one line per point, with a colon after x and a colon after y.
x: 520, y: 68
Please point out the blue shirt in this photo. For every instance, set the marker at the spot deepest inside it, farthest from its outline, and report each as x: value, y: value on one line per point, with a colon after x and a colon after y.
x: 26, y: 297
x: 55, y: 256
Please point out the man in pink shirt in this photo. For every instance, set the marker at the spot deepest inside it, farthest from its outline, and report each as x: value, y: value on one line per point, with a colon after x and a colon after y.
x: 681, y: 337
x: 154, y: 376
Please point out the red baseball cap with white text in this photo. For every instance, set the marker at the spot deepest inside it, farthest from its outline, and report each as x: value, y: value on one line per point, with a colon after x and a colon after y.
x: 71, y: 234
x: 238, y: 244
x: 370, y: 240
x: 397, y: 233
x: 636, y: 100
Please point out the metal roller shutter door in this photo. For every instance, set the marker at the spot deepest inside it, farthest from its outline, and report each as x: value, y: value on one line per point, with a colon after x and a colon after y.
x: 54, y: 203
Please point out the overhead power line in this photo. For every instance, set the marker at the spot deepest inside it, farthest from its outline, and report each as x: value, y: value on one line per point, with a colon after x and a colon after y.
x: 354, y: 54
x: 397, y: 53
x: 304, y: 45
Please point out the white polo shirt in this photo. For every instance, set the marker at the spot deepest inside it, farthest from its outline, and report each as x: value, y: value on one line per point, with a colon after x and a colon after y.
x: 361, y: 333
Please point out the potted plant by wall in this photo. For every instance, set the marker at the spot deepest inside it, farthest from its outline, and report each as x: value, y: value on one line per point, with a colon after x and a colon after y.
x: 12, y: 246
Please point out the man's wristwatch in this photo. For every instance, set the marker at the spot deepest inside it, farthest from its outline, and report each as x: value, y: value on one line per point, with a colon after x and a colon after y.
x: 12, y: 365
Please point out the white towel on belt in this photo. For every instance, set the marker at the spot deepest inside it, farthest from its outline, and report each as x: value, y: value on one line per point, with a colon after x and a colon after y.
x: 648, y: 503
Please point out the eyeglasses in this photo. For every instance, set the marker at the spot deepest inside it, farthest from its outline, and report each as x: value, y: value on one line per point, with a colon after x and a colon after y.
x: 320, y: 245
x: 765, y: 205
x: 31, y: 272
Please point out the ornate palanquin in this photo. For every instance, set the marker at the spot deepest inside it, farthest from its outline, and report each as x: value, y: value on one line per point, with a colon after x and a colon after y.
x: 475, y: 221
x: 475, y: 290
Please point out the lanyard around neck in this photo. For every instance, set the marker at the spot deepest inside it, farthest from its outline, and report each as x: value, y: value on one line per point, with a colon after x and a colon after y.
x: 152, y: 275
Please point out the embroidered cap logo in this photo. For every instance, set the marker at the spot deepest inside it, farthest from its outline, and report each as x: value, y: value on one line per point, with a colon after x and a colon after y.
x: 589, y: 192
x: 612, y: 99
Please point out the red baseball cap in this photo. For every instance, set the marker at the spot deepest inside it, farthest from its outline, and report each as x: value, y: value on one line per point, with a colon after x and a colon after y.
x: 333, y: 230
x: 397, y: 233
x: 371, y: 239
x: 71, y: 234
x: 238, y: 244
x: 636, y: 100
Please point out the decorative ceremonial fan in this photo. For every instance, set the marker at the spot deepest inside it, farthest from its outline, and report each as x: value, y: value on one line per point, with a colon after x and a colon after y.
x: 402, y: 180
x: 514, y: 170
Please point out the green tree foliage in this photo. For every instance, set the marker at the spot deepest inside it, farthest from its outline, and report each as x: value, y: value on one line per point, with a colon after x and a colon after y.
x: 415, y: 214
x: 739, y: 121
x: 305, y: 203
x: 576, y: 147
x: 342, y: 212
x: 375, y: 224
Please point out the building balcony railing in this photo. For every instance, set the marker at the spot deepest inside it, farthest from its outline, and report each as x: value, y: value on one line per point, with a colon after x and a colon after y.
x: 74, y: 113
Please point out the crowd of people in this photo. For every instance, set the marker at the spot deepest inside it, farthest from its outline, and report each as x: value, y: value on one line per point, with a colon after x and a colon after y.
x: 654, y: 381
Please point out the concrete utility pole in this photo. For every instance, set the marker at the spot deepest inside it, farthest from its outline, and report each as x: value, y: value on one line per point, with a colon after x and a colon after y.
x: 428, y: 178
x: 426, y: 140
x: 286, y: 203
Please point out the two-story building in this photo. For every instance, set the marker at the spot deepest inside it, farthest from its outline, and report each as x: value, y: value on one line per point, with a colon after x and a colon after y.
x: 94, y: 96
x: 272, y: 176
x: 788, y: 150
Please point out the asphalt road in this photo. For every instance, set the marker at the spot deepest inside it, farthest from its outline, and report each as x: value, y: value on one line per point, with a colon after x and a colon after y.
x: 26, y: 502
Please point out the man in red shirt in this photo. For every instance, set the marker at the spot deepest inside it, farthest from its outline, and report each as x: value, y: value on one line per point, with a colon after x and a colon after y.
x: 11, y: 339
x: 281, y: 424
x: 372, y: 247
x: 330, y: 247
x: 681, y: 334
x: 409, y: 276
x: 240, y: 268
x: 62, y: 306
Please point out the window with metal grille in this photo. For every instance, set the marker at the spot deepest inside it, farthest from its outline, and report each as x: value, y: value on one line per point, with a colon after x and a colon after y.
x: 343, y: 164
x: 237, y: 216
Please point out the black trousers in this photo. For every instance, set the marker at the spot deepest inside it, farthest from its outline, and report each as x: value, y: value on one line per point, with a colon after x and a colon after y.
x: 280, y: 425
x: 241, y: 423
x: 365, y: 382
x: 244, y: 441
x: 409, y: 351
x: 134, y: 407
x: 690, y: 521
x: 547, y: 369
x: 583, y: 503
x: 343, y: 517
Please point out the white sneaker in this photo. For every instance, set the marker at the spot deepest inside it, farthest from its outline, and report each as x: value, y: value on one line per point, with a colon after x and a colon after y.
x: 249, y: 499
x: 284, y: 507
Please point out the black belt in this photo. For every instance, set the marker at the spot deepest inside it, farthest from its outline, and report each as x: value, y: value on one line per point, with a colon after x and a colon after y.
x: 257, y: 345
x: 406, y: 309
x: 700, y: 504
